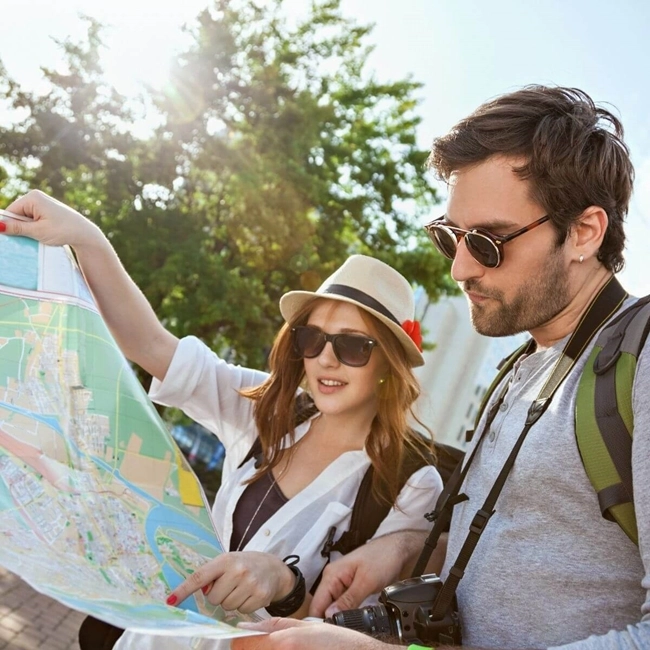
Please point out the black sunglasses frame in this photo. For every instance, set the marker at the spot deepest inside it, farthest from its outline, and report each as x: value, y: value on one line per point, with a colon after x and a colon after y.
x: 334, y: 340
x: 456, y: 234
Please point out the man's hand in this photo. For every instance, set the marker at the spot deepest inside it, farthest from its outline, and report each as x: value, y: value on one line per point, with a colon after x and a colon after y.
x: 289, y: 634
x: 349, y: 580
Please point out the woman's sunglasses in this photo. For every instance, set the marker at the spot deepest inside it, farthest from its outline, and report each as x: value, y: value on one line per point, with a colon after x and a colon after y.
x: 350, y: 349
x: 483, y: 246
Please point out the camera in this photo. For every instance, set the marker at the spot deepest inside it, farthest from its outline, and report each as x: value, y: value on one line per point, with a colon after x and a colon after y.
x: 405, y: 613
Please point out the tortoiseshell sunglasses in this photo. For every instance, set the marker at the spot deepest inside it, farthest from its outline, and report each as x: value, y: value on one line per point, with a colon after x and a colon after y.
x: 483, y: 246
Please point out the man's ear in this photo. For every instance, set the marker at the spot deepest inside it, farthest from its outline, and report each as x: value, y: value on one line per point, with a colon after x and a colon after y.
x: 588, y: 231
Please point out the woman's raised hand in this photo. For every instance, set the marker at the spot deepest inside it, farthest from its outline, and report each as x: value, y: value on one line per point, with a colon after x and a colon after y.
x: 49, y: 221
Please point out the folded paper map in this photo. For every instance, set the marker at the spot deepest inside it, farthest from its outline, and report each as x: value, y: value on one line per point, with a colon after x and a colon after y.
x: 98, y: 507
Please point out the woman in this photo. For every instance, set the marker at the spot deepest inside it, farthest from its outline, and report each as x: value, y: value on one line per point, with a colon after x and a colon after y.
x: 352, y: 345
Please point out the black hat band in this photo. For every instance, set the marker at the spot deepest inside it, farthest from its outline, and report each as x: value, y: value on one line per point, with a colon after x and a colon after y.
x: 360, y: 297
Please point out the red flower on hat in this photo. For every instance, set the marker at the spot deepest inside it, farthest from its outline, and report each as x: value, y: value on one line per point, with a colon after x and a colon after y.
x: 412, y: 328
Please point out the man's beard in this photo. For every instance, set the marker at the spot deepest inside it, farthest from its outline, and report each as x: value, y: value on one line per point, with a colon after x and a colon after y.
x: 535, y: 303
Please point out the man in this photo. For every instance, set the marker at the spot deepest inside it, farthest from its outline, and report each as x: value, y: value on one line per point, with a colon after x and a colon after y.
x: 549, y: 168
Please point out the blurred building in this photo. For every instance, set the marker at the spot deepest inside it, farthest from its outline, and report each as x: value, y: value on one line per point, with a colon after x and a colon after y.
x: 458, y: 371
x: 198, y: 444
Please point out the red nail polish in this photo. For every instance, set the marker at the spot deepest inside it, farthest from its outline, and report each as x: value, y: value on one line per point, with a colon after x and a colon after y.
x: 205, y: 589
x: 172, y: 600
x: 3, y: 226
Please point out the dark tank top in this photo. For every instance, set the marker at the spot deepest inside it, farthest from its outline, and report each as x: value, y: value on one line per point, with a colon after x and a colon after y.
x: 257, y: 504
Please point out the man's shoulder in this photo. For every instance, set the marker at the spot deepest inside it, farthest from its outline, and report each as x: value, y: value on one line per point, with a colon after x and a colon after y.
x: 628, y: 332
x: 635, y: 308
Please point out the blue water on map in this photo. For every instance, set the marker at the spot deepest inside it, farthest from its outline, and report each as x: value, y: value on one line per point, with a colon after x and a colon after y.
x: 19, y: 262
x: 50, y: 420
x: 5, y: 492
x: 175, y: 523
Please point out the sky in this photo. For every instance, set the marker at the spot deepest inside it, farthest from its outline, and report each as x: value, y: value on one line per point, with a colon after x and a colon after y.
x: 463, y: 52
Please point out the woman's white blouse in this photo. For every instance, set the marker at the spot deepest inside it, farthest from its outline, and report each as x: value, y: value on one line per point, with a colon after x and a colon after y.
x: 206, y: 388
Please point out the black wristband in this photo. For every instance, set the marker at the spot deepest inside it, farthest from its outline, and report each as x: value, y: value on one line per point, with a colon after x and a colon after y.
x: 292, y: 601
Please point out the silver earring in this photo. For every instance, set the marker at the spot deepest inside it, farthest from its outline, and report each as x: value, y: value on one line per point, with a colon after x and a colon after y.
x: 581, y: 259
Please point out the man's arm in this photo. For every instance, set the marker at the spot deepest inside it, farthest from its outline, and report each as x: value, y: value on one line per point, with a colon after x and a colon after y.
x: 349, y: 580
x: 290, y: 634
x: 436, y: 560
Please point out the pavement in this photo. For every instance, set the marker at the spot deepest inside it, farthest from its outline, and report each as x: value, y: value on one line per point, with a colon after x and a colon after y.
x: 30, y: 621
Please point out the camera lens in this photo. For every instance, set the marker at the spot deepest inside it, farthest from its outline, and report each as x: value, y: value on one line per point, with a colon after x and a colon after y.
x: 375, y: 620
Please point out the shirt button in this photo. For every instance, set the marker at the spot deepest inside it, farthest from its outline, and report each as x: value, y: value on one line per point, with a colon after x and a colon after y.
x: 267, y: 532
x: 491, y: 436
x: 503, y: 407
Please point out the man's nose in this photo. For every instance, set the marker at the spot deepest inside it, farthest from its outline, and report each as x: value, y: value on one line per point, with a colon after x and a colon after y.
x: 464, y: 267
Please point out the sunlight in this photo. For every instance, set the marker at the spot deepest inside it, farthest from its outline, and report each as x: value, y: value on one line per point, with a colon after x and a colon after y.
x: 141, y: 40
x: 141, y: 37
x: 144, y: 36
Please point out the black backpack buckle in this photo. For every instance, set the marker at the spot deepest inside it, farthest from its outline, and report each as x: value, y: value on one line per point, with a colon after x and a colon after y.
x: 609, y: 355
x: 328, y: 546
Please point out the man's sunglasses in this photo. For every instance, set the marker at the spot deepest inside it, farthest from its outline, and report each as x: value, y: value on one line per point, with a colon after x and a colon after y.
x: 350, y: 349
x: 483, y: 246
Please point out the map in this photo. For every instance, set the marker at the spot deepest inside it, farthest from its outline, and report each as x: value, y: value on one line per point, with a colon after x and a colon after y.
x: 98, y: 507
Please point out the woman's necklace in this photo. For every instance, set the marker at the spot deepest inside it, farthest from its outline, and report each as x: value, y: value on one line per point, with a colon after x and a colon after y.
x: 257, y: 510
x: 274, y: 482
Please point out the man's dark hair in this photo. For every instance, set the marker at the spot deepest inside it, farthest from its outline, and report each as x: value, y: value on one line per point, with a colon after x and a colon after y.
x: 573, y: 150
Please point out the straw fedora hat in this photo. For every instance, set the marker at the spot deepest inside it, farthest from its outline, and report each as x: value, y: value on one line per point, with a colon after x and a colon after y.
x: 375, y: 287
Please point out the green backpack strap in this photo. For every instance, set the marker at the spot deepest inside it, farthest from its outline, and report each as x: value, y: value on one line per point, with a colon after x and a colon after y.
x: 604, y: 421
x: 504, y: 367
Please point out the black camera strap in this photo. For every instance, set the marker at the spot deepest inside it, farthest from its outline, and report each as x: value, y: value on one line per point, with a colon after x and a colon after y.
x: 441, y: 515
x: 608, y: 300
x: 449, y: 496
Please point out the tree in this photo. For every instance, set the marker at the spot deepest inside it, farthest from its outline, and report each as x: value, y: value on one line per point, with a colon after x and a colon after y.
x: 277, y: 157
x: 72, y: 142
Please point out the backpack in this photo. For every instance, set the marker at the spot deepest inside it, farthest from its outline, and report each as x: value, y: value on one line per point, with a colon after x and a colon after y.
x: 603, y: 416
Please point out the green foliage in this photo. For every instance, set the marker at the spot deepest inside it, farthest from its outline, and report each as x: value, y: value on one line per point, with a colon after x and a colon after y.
x: 277, y: 156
